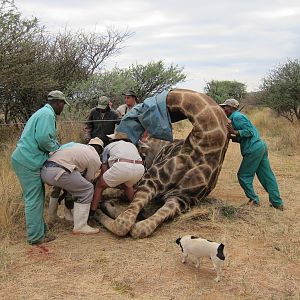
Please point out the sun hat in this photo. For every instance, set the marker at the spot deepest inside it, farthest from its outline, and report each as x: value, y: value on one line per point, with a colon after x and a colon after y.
x: 231, y: 102
x: 96, y: 141
x: 103, y: 102
x: 130, y: 93
x: 57, y: 95
x: 118, y: 136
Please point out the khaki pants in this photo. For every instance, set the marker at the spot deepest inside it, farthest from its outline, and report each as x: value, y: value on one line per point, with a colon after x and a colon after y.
x: 74, y: 183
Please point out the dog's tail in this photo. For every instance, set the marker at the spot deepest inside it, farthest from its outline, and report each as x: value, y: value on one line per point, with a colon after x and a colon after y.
x: 220, y: 253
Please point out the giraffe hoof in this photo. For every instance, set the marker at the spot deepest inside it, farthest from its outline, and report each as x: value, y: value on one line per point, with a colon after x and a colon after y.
x: 137, y: 233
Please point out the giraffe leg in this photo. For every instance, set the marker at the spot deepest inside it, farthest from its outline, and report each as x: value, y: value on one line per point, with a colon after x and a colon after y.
x: 124, y: 222
x: 120, y: 226
x: 146, y: 227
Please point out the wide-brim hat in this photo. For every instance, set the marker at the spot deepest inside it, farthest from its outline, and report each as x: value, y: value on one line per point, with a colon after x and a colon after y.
x: 118, y: 136
x: 130, y: 93
x: 96, y: 141
x: 57, y: 95
x: 231, y: 102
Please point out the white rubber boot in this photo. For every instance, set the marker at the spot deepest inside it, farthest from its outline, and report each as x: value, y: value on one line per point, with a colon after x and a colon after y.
x: 80, y: 215
x: 52, y: 210
x: 68, y: 214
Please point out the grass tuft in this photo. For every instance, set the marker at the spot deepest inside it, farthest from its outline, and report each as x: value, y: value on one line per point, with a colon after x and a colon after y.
x: 123, y: 288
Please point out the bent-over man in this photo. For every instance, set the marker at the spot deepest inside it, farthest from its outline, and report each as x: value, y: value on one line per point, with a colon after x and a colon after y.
x: 122, y: 166
x: 255, y: 156
x: 73, y: 169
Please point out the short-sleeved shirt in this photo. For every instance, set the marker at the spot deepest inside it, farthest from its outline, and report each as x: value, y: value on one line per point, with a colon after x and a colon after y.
x: 120, y: 149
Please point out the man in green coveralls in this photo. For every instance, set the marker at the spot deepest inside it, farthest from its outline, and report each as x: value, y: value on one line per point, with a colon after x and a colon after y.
x: 255, y: 156
x: 37, y: 140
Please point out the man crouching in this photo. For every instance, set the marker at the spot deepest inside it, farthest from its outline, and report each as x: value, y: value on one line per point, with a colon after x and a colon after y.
x: 73, y: 168
x: 122, y: 167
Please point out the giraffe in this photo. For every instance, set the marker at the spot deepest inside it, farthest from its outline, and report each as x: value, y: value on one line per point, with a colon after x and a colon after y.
x: 183, y: 172
x: 150, y: 148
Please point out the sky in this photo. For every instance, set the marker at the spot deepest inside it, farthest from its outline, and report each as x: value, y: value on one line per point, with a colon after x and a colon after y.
x: 212, y: 40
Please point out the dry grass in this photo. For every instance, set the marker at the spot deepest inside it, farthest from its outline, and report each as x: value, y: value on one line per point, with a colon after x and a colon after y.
x: 262, y: 247
x: 284, y: 136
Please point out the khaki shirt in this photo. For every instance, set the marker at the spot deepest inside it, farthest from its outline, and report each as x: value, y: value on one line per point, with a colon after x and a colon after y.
x: 123, y: 109
x: 80, y: 157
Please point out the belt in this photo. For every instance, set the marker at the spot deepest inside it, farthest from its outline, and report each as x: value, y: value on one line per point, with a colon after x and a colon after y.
x: 131, y: 161
x: 52, y: 164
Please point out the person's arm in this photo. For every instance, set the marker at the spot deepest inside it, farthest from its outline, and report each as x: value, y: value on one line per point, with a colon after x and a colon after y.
x: 245, y: 128
x: 88, y: 127
x: 232, y: 131
x: 116, y: 116
x: 92, y: 169
x: 45, y: 133
x: 119, y: 111
x: 104, y: 168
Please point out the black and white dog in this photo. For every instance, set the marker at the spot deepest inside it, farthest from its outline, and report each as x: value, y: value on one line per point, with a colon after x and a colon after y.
x: 198, y: 247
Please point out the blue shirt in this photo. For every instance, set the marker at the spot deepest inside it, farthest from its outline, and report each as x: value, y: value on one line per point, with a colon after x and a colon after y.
x: 248, y: 138
x: 38, y: 139
x: 151, y: 115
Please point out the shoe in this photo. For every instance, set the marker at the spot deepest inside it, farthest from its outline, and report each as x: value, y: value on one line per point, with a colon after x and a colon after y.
x: 253, y: 203
x: 46, y: 239
x: 280, y: 207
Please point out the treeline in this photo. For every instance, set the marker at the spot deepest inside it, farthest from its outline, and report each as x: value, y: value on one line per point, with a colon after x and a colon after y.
x: 34, y: 62
x: 279, y: 90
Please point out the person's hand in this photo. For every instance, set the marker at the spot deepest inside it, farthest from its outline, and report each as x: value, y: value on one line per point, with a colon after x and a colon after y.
x: 230, y: 129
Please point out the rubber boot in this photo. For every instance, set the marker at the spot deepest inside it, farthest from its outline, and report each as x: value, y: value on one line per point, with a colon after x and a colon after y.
x: 80, y: 215
x: 52, y: 210
x: 68, y: 214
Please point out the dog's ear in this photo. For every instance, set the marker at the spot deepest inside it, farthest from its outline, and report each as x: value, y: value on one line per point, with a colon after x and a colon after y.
x: 178, y: 241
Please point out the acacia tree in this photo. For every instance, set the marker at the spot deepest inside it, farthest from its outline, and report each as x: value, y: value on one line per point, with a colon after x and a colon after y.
x: 20, y: 49
x: 32, y: 63
x: 76, y: 56
x: 145, y: 80
x: 154, y: 77
x: 281, y: 90
x: 222, y: 90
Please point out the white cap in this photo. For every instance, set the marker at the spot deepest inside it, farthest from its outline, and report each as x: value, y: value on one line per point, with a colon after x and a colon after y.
x: 231, y: 102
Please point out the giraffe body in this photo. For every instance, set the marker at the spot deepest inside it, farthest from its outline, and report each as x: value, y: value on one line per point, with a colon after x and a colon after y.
x: 184, y: 172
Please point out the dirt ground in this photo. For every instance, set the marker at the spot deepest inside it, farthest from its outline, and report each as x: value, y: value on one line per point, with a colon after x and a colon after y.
x: 262, y: 252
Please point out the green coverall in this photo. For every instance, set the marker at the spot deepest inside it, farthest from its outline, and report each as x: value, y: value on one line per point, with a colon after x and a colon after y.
x: 255, y: 160
x: 37, y: 140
